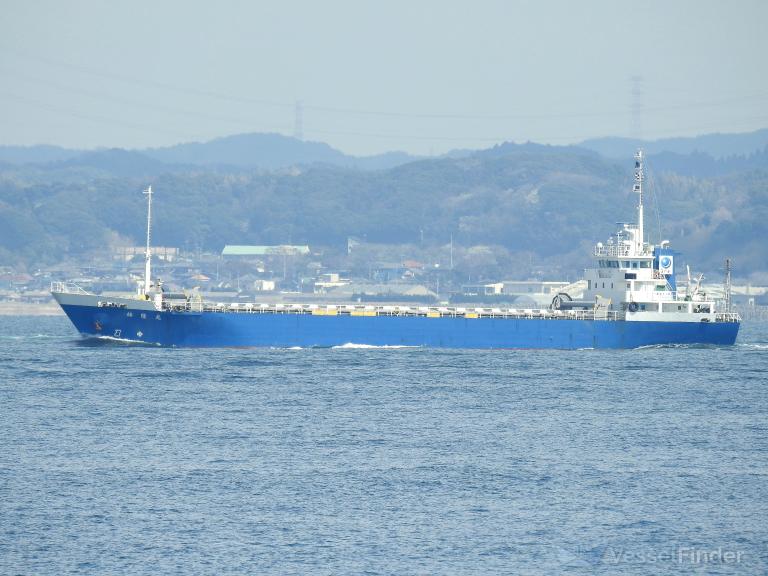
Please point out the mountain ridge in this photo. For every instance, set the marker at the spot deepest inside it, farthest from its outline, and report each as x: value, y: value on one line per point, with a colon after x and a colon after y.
x: 271, y: 151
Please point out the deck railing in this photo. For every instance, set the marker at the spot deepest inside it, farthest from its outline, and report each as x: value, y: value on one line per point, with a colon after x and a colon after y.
x: 199, y: 306
x: 67, y: 288
x: 422, y: 311
x: 727, y: 317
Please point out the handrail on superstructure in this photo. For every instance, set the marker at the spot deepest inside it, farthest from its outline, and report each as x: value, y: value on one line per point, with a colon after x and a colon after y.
x: 612, y: 250
x: 68, y: 288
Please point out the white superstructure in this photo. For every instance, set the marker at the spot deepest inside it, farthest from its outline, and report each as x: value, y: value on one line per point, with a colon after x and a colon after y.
x: 638, y: 278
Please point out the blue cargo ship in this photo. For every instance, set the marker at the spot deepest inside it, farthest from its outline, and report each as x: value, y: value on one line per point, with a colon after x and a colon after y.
x: 631, y: 300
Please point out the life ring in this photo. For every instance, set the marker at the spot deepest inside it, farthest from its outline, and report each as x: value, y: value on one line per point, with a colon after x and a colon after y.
x: 633, y: 307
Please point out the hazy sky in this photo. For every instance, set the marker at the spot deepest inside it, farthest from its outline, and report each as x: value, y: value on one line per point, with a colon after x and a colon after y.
x: 420, y: 76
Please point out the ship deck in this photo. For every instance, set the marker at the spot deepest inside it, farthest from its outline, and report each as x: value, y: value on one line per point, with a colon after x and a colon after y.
x: 415, y: 311
x: 193, y: 305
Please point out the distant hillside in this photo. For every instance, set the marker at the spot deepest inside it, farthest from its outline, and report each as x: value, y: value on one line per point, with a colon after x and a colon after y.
x: 709, y: 155
x: 508, y: 148
x: 242, y: 151
x: 118, y: 162
x: 269, y: 152
x: 252, y: 150
x: 508, y: 209
x: 716, y: 145
x: 703, y: 165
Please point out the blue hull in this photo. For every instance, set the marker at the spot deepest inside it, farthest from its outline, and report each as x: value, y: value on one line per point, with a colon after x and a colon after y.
x: 212, y: 329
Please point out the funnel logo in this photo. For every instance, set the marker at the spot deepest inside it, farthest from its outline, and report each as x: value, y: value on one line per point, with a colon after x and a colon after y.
x: 666, y: 264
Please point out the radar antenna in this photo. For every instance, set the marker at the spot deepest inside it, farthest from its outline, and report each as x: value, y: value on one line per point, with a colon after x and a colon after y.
x: 698, y: 284
x: 693, y: 290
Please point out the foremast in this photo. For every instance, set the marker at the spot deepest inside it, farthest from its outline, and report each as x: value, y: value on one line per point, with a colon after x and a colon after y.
x: 148, y: 253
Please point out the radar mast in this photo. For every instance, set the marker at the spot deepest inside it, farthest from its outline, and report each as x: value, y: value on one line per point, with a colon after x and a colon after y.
x: 638, y: 187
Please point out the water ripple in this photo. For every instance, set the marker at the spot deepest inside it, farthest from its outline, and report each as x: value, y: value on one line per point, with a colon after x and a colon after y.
x: 119, y: 458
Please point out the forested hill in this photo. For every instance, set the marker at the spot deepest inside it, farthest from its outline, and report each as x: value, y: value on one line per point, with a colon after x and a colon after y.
x: 525, y: 203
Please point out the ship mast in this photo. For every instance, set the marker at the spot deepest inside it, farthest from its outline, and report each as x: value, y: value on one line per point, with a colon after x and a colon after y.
x: 638, y: 187
x: 148, y: 262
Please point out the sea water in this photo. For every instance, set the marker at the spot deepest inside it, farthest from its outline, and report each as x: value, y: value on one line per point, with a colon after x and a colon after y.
x: 126, y: 459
